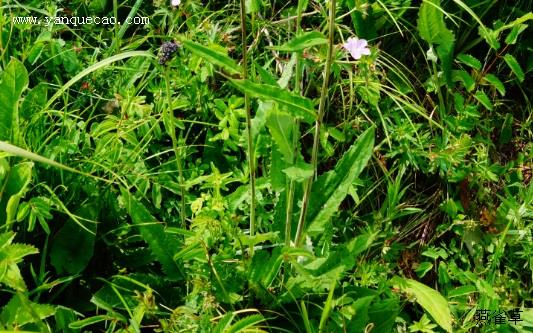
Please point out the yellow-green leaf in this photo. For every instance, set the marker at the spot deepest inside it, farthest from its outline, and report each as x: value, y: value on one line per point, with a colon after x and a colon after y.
x: 429, y: 299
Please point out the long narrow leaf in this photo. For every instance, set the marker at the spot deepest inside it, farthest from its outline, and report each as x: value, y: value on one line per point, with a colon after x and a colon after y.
x: 297, y: 105
x: 331, y: 188
x: 214, y: 57
x: 95, y: 67
x: 17, y: 151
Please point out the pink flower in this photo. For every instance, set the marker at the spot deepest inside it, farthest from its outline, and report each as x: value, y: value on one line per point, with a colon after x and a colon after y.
x: 175, y: 3
x: 357, y: 47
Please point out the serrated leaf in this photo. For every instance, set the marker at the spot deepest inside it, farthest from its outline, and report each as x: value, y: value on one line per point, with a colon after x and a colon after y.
x: 431, y: 25
x: 465, y: 78
x: 305, y: 40
x: 510, y: 60
x: 162, y: 245
x: 246, y: 324
x: 15, y: 252
x: 13, y: 81
x: 295, y: 104
x: 484, y: 99
x: 214, y: 57
x: 13, y: 278
x: 20, y: 311
x: 281, y: 126
x: 469, y: 60
x: 331, y: 188
x: 430, y: 300
x: 496, y: 83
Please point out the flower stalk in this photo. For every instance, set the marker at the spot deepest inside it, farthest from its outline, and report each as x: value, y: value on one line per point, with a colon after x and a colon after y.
x: 318, y: 123
x: 251, y: 157
x: 295, y: 134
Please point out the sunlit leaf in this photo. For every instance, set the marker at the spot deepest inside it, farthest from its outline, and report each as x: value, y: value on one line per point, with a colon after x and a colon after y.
x: 305, y: 40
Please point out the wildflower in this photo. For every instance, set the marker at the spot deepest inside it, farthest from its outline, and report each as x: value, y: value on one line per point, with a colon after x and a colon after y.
x: 357, y: 47
x: 175, y: 3
x: 167, y: 49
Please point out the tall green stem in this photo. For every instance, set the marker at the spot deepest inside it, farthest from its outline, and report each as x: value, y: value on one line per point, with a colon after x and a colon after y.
x: 295, y: 134
x: 168, y: 114
x: 251, y: 166
x: 318, y: 125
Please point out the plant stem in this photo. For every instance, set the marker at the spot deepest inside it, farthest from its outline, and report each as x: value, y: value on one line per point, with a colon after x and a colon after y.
x: 295, y: 135
x: 177, y: 151
x: 320, y: 117
x: 251, y: 166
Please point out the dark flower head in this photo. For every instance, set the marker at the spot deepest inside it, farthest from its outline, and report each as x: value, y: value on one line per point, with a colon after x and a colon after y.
x: 166, y: 51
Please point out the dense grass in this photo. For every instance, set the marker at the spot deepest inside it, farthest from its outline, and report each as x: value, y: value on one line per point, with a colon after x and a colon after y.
x: 234, y: 166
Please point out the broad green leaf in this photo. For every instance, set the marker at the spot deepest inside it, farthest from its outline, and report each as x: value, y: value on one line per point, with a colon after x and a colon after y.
x: 495, y: 82
x: 295, y: 104
x: 344, y: 258
x: 214, y: 57
x: 431, y: 25
x: 331, y: 188
x: 281, y: 126
x: 13, y: 81
x: 423, y: 268
x: 15, y: 252
x: 465, y: 78
x: 20, y: 311
x: 305, y: 40
x: 13, y: 189
x: 34, y: 101
x: 13, y: 278
x: 6, y: 239
x: 163, y: 245
x: 252, y: 6
x: 510, y: 60
x: 73, y: 247
x: 299, y: 172
x: 430, y: 300
x: 469, y: 60
x: 484, y: 99
x: 445, y: 53
x: 383, y: 315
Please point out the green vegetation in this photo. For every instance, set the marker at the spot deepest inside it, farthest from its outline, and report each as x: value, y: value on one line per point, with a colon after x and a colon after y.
x: 266, y: 166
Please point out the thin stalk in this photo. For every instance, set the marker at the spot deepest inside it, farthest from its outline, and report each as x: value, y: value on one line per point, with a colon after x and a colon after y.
x: 295, y: 134
x: 318, y: 124
x: 251, y: 166
x: 177, y: 151
x: 442, y: 111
